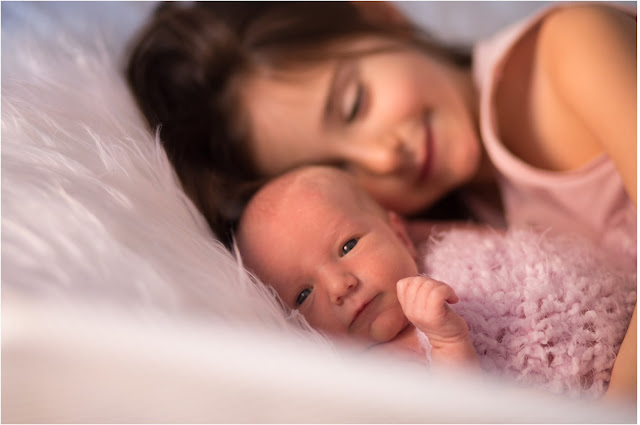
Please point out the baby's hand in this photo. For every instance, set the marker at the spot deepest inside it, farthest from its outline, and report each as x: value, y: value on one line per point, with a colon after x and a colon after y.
x: 425, y: 302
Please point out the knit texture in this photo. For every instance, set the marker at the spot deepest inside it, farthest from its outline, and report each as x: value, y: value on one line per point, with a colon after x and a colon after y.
x: 546, y: 311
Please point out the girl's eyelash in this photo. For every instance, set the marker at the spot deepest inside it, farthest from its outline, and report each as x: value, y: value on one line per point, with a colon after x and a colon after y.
x: 357, y: 103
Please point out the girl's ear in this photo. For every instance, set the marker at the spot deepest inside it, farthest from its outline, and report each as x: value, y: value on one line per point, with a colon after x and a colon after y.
x: 399, y: 227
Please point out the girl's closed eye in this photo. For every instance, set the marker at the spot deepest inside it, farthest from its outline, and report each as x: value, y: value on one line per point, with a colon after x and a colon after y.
x: 353, y: 100
x: 302, y: 296
x: 348, y: 246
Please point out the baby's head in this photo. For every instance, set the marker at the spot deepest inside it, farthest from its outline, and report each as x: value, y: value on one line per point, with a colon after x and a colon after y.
x: 330, y: 251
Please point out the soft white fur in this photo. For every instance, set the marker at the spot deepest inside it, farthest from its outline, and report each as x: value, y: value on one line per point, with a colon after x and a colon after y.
x: 118, y: 305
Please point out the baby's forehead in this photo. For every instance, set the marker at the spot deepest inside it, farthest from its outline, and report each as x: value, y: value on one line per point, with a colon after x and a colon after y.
x: 305, y: 190
x: 317, y: 182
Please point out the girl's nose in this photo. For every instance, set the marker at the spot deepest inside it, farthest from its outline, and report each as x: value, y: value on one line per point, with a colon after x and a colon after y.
x: 381, y: 159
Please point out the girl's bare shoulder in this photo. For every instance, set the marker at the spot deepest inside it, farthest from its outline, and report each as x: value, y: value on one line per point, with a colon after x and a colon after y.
x: 588, y: 55
x: 577, y: 35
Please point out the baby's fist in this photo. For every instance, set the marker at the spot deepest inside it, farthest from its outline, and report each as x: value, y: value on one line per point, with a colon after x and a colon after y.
x: 425, y: 302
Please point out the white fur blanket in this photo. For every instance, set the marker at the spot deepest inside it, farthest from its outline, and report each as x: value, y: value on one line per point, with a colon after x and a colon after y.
x: 117, y: 303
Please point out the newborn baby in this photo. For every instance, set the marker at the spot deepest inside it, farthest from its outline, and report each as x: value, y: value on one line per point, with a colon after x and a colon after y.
x: 334, y: 254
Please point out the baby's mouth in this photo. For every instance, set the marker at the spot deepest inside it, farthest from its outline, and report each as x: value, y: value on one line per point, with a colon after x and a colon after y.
x: 365, y: 313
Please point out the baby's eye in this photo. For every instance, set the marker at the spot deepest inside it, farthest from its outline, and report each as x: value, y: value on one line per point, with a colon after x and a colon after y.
x: 348, y: 246
x: 303, y: 296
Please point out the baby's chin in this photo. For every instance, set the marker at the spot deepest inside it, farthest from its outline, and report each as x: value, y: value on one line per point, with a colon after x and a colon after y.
x: 384, y: 329
x: 387, y: 327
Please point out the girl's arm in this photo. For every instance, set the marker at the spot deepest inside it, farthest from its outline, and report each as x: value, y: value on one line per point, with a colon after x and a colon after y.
x: 623, y: 384
x: 589, y: 56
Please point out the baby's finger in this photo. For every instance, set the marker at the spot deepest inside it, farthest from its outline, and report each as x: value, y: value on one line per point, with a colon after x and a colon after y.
x: 406, y: 289
x: 401, y: 288
x: 451, y: 297
x: 444, y: 292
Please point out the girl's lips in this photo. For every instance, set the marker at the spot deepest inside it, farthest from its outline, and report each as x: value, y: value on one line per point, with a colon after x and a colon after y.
x: 426, y: 167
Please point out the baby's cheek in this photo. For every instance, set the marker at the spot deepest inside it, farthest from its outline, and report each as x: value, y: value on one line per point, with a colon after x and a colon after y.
x: 388, y: 325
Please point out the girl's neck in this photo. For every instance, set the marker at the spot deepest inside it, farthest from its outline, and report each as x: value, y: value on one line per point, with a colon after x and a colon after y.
x: 486, y: 173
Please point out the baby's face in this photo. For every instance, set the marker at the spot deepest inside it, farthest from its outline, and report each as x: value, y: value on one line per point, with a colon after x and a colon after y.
x: 334, y: 261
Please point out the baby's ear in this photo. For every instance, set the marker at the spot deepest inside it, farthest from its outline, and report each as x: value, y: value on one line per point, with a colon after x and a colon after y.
x: 399, y: 227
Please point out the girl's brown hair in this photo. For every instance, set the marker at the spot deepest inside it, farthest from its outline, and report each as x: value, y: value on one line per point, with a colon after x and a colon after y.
x: 185, y: 64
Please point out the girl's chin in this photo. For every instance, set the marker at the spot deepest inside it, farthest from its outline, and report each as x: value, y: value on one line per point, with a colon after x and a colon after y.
x: 414, y: 203
x: 469, y: 163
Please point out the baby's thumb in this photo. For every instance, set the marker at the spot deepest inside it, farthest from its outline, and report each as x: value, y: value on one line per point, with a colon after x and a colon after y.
x: 401, y: 291
x: 452, y: 298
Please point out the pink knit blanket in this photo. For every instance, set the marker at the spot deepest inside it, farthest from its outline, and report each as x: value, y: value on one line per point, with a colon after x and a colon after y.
x: 546, y: 311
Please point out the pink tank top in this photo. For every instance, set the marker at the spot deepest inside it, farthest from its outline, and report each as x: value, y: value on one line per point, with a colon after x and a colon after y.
x: 591, y: 200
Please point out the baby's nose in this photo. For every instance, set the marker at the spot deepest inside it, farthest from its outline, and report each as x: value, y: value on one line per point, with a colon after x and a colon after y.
x: 339, y: 285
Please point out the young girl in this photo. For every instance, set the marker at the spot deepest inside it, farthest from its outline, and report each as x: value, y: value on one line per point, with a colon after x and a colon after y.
x: 545, y: 117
